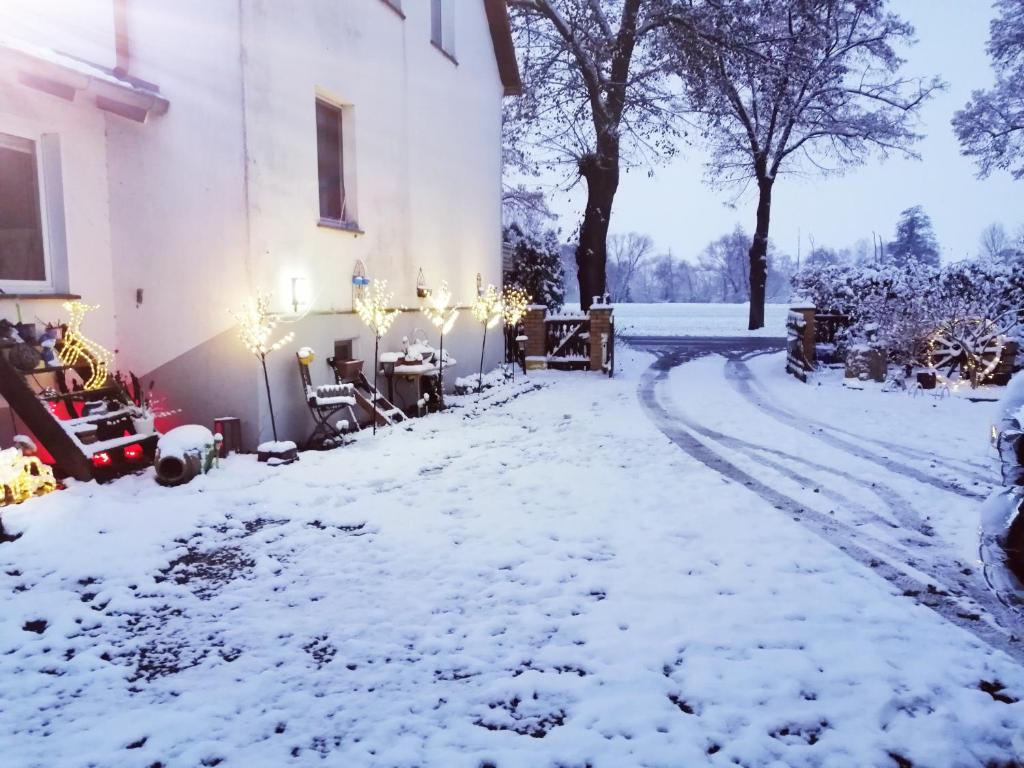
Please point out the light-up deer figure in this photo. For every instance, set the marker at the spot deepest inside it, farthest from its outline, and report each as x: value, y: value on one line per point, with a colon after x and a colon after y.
x: 78, y: 350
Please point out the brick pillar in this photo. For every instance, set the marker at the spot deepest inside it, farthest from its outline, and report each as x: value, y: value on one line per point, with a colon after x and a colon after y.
x: 808, y: 312
x: 600, y: 325
x: 536, y: 337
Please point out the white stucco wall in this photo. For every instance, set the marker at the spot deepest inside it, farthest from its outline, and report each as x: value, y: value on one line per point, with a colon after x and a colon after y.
x: 81, y: 28
x: 177, y: 183
x: 217, y: 198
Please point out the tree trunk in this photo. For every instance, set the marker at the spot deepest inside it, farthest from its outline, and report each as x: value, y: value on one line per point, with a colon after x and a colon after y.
x: 759, y: 254
x: 601, y: 172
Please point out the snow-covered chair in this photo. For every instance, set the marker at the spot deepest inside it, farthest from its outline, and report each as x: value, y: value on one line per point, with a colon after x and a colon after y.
x: 328, y: 403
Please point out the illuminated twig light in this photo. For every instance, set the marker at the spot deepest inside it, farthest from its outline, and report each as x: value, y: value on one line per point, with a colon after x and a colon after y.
x: 77, y: 349
x: 487, y: 312
x: 514, y: 301
x: 22, y: 477
x: 441, y: 316
x: 372, y: 308
x: 256, y: 324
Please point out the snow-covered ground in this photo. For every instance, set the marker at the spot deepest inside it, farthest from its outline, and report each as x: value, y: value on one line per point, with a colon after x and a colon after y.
x: 548, y: 582
x: 696, y: 320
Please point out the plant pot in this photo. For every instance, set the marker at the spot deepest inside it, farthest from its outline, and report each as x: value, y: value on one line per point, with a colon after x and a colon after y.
x: 144, y: 425
x: 927, y: 379
x: 28, y: 333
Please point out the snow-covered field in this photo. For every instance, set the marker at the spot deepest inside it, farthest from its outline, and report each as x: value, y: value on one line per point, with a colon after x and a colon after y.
x: 549, y: 582
x: 696, y: 320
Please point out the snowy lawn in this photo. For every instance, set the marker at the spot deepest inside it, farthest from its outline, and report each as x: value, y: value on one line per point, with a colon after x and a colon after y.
x: 696, y: 320
x: 551, y: 582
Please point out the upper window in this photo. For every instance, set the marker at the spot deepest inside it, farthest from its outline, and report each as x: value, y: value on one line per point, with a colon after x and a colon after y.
x: 22, y: 251
x: 330, y: 149
x: 442, y: 25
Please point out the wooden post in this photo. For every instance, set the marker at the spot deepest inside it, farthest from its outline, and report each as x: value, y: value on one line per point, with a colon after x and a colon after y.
x: 600, y: 333
x: 807, y: 311
x: 536, y: 337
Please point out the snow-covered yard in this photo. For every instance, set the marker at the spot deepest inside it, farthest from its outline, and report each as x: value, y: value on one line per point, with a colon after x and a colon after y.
x: 696, y: 320
x: 548, y: 582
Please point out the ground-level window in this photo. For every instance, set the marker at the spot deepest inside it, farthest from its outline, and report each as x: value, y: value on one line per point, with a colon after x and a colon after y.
x: 330, y: 148
x: 442, y: 25
x: 22, y: 251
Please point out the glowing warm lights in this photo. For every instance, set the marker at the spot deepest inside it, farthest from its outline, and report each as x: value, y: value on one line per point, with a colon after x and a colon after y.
x: 514, y: 301
x: 487, y: 307
x: 77, y: 349
x: 437, y: 309
x: 372, y: 308
x: 256, y: 323
x: 22, y: 477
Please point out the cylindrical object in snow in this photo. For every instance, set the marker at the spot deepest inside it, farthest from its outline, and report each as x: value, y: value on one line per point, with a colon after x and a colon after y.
x: 183, y: 453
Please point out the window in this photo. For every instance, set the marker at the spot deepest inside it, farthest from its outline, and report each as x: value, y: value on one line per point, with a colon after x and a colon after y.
x: 22, y: 251
x: 442, y: 26
x: 330, y: 149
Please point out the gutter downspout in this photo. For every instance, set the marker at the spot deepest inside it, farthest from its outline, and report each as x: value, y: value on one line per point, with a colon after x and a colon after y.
x: 122, y: 44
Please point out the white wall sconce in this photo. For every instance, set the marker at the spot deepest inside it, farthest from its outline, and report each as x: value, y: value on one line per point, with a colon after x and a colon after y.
x: 300, y: 294
x: 479, y: 284
x: 422, y: 291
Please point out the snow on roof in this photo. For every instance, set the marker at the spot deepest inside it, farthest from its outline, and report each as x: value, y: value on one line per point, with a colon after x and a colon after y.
x: 65, y: 76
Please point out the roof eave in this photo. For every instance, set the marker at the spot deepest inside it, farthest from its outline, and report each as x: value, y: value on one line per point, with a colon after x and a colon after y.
x: 504, y: 49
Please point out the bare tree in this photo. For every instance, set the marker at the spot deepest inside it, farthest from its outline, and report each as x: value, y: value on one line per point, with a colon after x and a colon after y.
x: 991, y: 126
x: 995, y: 242
x: 781, y: 85
x: 596, y: 96
x: 626, y: 254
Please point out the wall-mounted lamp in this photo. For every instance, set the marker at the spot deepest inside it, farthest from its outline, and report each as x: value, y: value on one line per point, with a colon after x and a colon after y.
x: 300, y: 294
x: 479, y: 284
x: 421, y: 286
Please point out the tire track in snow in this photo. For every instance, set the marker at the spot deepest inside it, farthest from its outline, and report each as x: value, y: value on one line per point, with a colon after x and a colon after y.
x: 741, y: 377
x: 972, y: 469
x: 944, y: 567
x: 1000, y: 630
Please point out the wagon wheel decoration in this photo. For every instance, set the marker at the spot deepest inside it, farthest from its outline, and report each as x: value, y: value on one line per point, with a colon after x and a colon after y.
x: 971, y: 348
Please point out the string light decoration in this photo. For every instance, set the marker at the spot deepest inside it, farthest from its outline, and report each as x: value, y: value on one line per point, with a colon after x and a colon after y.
x: 487, y: 310
x: 514, y: 302
x: 373, y: 309
x: 23, y: 476
x: 77, y: 350
x: 441, y: 316
x: 256, y: 324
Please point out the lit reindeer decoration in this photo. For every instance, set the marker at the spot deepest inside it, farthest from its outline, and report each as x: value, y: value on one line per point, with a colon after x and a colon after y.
x: 77, y: 350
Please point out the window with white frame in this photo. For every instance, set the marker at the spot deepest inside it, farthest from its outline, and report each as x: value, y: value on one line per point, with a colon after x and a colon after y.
x: 23, y: 263
x: 334, y: 167
x: 442, y: 25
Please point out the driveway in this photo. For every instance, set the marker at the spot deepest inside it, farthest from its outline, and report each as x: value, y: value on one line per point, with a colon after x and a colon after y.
x: 874, y: 499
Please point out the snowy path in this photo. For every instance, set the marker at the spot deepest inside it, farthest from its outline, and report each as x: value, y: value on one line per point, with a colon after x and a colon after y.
x: 885, y: 530
x: 549, y: 583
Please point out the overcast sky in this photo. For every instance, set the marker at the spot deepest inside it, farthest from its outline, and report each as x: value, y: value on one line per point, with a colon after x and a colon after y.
x: 681, y: 213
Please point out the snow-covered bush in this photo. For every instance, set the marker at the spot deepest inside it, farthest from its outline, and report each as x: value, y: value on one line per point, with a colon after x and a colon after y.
x: 901, y: 307
x: 537, y: 265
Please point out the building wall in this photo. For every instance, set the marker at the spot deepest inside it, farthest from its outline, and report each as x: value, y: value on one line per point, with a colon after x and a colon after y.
x: 231, y: 175
x: 173, y: 221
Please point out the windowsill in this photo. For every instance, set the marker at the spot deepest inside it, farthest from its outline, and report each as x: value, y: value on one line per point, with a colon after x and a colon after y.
x: 344, y: 226
x: 395, y: 8
x: 446, y: 54
x: 38, y: 296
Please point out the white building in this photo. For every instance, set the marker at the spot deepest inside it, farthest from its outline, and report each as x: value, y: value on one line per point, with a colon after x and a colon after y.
x: 166, y: 160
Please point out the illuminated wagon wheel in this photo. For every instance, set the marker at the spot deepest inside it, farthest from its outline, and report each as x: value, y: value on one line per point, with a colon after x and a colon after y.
x: 970, y: 348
